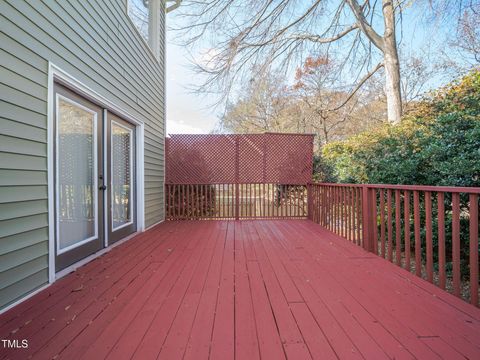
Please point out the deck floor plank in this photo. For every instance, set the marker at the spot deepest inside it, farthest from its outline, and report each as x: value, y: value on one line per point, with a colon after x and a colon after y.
x: 198, y: 344
x: 116, y: 318
x: 362, y: 312
x: 246, y: 339
x: 245, y: 290
x: 81, y: 278
x: 398, y: 295
x: 84, y: 303
x: 223, y: 335
x: 167, y: 295
x: 79, y: 339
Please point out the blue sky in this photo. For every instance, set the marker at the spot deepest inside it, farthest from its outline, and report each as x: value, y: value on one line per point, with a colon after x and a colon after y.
x: 191, y: 113
x: 186, y: 112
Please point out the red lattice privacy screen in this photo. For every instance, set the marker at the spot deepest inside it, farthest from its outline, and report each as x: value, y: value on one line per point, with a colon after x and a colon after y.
x: 239, y: 159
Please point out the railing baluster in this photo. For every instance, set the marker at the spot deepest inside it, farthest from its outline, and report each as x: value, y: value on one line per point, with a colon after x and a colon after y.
x: 182, y: 202
x: 339, y: 209
x: 350, y: 214
x: 473, y: 207
x: 441, y: 239
x: 382, y: 222
x: 333, y: 219
x: 334, y: 209
x: 189, y: 206
x: 418, y: 245
x: 337, y: 205
x: 429, y: 241
x: 264, y: 201
x: 352, y: 207
x: 342, y: 211
x: 456, y: 243
x: 329, y: 209
x: 366, y: 218
x: 389, y: 225
x: 318, y: 208
x: 398, y: 231
x: 251, y: 200
x: 406, y: 212
x: 359, y: 217
x: 374, y: 220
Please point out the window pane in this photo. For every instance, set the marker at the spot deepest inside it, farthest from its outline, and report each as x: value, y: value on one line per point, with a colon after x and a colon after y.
x: 76, y: 174
x: 121, y: 176
x: 139, y: 12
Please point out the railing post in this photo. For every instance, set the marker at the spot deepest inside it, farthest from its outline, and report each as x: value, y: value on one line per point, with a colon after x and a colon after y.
x: 309, y: 202
x: 367, y: 219
x: 237, y: 179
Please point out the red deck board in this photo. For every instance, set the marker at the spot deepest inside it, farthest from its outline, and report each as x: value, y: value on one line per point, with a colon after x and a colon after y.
x: 312, y: 333
x: 400, y: 308
x: 129, y: 340
x: 91, y: 298
x: 119, y: 297
x: 114, y: 320
x: 177, y: 337
x: 246, y: 340
x: 402, y: 281
x: 242, y: 290
x: 198, y: 345
x: 83, y: 277
x: 359, y: 313
x: 223, y: 335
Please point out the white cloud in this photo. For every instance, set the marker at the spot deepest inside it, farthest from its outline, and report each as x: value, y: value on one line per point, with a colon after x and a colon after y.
x: 179, y: 127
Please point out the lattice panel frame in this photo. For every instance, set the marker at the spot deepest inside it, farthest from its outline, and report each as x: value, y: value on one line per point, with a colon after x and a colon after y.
x: 239, y: 159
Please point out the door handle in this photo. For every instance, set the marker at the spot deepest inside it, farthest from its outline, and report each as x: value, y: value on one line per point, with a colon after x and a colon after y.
x: 103, y: 187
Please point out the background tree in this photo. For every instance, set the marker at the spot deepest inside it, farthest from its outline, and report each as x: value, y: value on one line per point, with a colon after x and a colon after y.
x: 247, y: 32
x: 264, y: 105
x: 329, y: 107
x: 468, y: 34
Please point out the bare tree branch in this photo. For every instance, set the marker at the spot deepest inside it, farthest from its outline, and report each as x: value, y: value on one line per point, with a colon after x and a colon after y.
x: 359, y: 85
x: 365, y: 26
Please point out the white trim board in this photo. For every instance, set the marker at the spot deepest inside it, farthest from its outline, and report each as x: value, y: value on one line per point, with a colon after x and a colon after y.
x: 56, y: 74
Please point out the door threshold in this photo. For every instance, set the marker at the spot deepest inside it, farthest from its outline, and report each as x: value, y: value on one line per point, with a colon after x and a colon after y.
x: 74, y: 267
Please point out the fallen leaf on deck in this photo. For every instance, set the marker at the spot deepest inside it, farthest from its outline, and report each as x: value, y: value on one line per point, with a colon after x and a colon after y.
x: 80, y: 288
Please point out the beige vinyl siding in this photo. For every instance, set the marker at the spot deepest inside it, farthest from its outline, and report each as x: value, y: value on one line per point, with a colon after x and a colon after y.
x: 95, y: 42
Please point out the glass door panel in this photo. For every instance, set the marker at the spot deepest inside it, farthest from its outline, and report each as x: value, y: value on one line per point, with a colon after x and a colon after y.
x: 121, y: 165
x: 78, y: 176
x: 122, y: 194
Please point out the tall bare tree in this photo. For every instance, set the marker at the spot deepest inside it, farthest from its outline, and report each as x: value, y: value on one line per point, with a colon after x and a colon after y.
x: 327, y: 107
x: 262, y: 106
x: 247, y: 32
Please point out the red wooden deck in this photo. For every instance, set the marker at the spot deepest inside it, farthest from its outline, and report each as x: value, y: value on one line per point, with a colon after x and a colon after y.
x: 242, y: 290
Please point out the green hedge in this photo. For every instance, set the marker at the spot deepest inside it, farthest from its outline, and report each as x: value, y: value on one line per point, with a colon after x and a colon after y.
x: 436, y: 143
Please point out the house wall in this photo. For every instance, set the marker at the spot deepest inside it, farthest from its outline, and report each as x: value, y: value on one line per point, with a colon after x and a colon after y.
x: 95, y: 42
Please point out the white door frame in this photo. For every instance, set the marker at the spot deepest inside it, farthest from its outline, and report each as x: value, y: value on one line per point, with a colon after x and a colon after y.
x: 56, y: 74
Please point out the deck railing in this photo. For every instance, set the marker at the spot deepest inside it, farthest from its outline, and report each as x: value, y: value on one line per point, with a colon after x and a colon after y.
x: 429, y: 230
x: 235, y: 201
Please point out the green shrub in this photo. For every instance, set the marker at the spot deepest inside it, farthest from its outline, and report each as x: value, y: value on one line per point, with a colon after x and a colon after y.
x: 436, y: 143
